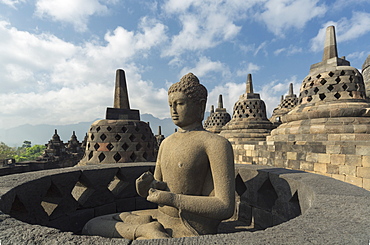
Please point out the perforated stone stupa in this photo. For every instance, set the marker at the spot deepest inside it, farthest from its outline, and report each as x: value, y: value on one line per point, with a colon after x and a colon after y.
x: 249, y: 122
x: 328, y: 132
x: 285, y: 106
x: 121, y: 137
x: 206, y: 122
x: 217, y: 119
x: 366, y: 75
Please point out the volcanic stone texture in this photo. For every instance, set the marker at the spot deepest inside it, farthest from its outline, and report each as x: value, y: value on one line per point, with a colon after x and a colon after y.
x: 117, y: 141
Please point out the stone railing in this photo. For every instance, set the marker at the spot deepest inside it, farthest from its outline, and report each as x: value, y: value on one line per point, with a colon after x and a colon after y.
x: 51, y: 207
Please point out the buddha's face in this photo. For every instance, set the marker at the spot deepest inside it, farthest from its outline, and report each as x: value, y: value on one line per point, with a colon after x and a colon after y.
x: 184, y: 111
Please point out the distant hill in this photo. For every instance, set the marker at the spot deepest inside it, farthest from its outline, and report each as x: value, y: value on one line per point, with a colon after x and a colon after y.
x: 41, y: 134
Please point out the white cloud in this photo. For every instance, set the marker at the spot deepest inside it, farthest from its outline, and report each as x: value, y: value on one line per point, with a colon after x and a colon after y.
x: 205, y: 66
x: 271, y: 93
x: 205, y: 24
x: 12, y: 3
x: 261, y: 47
x: 281, y: 15
x: 289, y: 51
x: 346, y: 30
x: 71, y: 11
x: 230, y: 93
x: 247, y: 68
x: 48, y: 80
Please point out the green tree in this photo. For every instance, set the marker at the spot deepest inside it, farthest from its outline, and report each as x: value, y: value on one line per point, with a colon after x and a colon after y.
x: 29, y: 153
x: 26, y: 144
x: 6, y: 151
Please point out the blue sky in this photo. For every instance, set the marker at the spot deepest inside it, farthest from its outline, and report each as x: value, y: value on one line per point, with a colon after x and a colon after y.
x: 58, y: 57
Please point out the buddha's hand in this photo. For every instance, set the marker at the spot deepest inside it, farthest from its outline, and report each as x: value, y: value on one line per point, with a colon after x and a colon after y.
x: 144, y: 183
x: 147, y: 181
x: 162, y: 197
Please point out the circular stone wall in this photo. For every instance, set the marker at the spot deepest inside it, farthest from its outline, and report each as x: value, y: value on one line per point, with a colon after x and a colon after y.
x: 283, y: 206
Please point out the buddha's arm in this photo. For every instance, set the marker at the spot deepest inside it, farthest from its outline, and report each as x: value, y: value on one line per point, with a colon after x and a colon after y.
x: 147, y: 181
x: 221, y: 205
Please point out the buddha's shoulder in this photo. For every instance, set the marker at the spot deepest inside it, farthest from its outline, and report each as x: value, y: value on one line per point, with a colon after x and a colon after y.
x: 199, y: 136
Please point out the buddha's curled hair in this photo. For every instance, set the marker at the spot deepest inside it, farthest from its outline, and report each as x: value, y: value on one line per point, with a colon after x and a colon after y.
x: 190, y: 86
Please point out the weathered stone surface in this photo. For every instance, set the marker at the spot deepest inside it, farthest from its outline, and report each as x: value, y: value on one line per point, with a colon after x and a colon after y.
x: 217, y: 119
x: 249, y: 122
x: 121, y: 137
x: 333, y: 212
x: 193, y: 183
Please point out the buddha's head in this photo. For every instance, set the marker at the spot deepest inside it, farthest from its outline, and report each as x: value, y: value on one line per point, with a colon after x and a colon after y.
x: 187, y: 100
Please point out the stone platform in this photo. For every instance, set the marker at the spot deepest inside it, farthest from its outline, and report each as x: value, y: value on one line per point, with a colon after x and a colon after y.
x: 283, y: 206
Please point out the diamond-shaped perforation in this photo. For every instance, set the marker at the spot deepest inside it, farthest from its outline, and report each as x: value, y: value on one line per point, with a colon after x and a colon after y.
x: 267, y: 195
x: 125, y: 146
x: 101, y: 157
x: 124, y: 129
x: 117, y: 137
x: 133, y: 156
x: 92, y: 137
x: 138, y: 147
x: 143, y: 137
x: 344, y: 87
x: 145, y: 156
x: 103, y: 137
x: 342, y: 73
x: 132, y: 137
x: 318, y: 76
x: 316, y: 90
x: 98, y: 129
x: 312, y: 83
x: 110, y: 146
x: 78, y: 190
x: 309, y: 98
x: 52, y: 199
x: 117, y: 157
x: 240, y: 187
x: 323, y: 81
x: 337, y: 95
x: 96, y: 146
x: 331, y: 74
x: 330, y: 87
x: 118, y: 186
x: 322, y: 96
x: 137, y: 129
x: 90, y: 155
x: 109, y: 128
x: 337, y: 80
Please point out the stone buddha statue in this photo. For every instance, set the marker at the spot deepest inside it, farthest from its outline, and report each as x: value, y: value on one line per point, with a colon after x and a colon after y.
x: 193, y: 183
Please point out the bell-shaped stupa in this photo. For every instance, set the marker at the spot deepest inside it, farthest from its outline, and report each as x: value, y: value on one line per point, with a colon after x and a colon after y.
x: 249, y: 122
x: 285, y: 106
x: 332, y: 88
x: 366, y: 75
x: 121, y: 137
x: 217, y: 119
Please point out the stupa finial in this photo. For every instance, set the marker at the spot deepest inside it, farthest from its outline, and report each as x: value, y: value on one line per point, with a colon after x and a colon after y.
x: 120, y: 93
x: 159, y: 130
x: 212, y: 109
x: 290, y: 89
x: 330, y: 46
x: 220, y: 103
x: 249, y: 88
